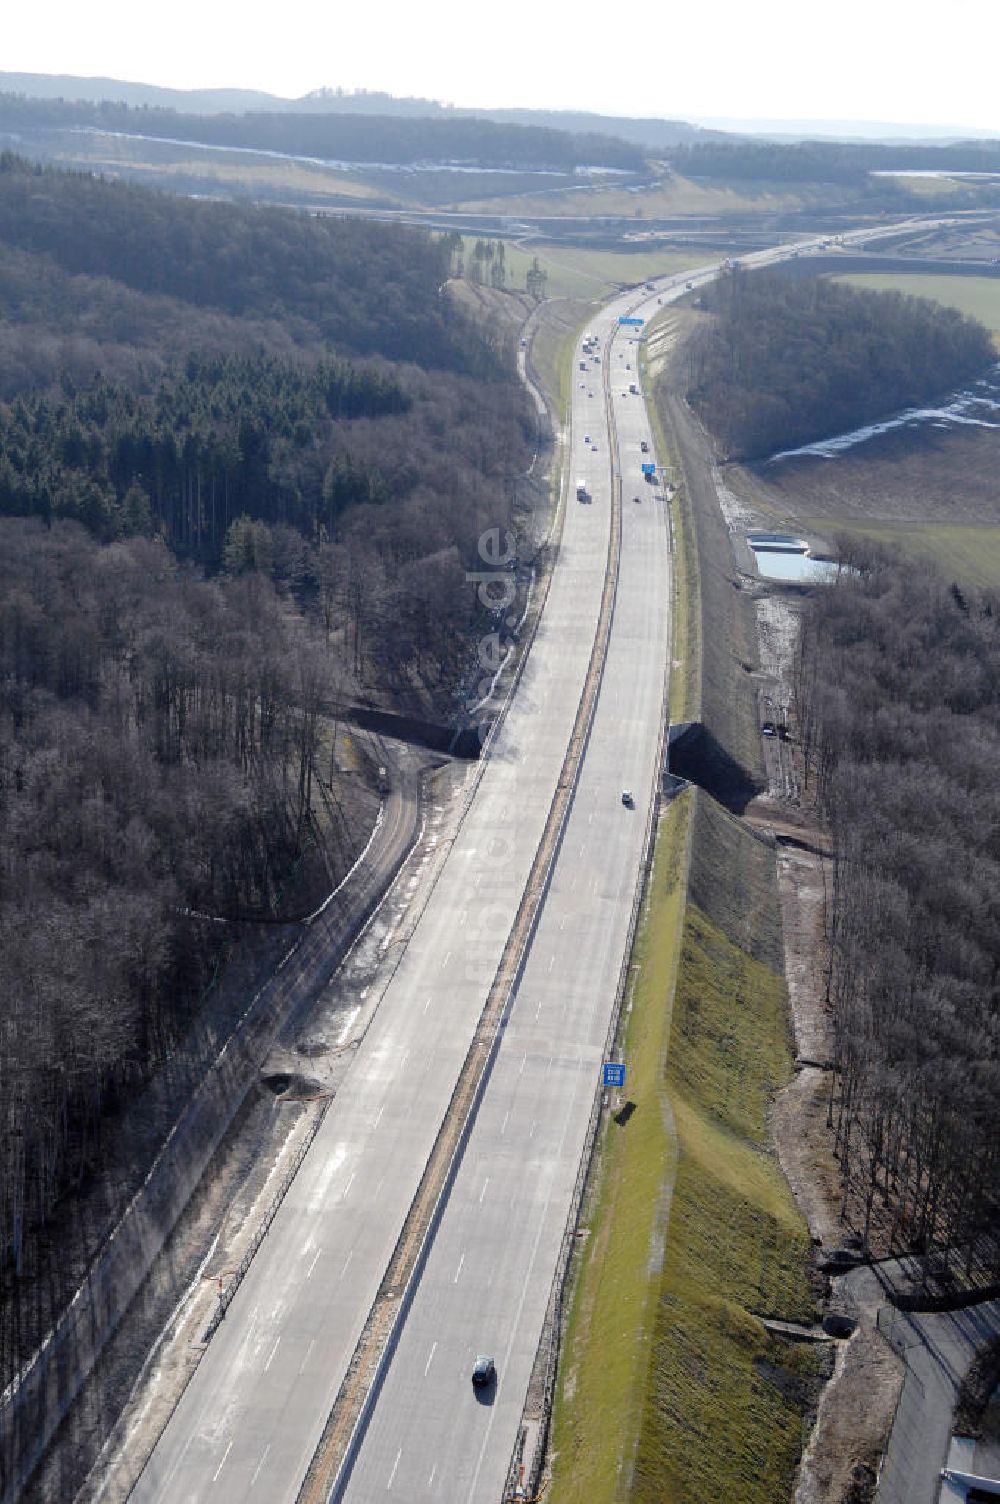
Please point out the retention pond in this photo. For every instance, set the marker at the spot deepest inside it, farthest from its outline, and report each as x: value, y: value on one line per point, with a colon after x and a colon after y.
x: 779, y: 556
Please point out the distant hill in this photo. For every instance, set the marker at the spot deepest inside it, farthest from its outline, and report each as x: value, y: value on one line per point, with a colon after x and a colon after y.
x: 651, y: 133
x: 763, y: 160
x: 370, y: 289
x: 94, y: 90
x: 334, y: 135
x: 882, y: 131
x: 647, y: 131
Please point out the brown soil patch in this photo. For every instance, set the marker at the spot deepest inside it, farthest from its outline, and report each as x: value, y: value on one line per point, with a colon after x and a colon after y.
x: 856, y: 1409
x: 799, y: 1116
x: 908, y: 475
x: 497, y: 308
x: 840, y: 1463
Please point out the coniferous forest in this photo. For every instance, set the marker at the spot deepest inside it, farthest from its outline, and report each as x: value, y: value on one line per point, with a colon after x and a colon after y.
x: 245, y: 460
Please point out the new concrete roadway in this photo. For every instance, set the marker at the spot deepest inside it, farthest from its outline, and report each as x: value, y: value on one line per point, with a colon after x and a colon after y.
x: 486, y: 1284
x: 487, y: 1281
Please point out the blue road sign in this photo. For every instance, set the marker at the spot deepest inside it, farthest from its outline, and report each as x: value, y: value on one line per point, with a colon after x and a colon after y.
x: 633, y: 323
x: 649, y: 469
x: 614, y: 1073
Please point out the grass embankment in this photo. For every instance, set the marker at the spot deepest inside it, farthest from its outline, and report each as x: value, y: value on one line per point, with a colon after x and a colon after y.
x: 723, y: 1415
x: 720, y: 691
x: 553, y: 350
x: 977, y: 297
x: 575, y: 272
x: 613, y: 1308
x: 661, y: 197
x: 685, y: 674
x: 685, y: 671
x: 670, y: 1387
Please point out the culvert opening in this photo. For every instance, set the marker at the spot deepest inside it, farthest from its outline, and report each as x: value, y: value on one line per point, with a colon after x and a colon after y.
x: 278, y: 1082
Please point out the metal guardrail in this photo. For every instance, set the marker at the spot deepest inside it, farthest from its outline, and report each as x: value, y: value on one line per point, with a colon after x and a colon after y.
x: 227, y: 1294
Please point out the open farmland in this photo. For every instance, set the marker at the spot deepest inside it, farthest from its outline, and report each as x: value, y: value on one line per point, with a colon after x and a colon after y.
x: 659, y: 198
x: 931, y: 492
x: 971, y: 553
x: 576, y: 272
x: 930, y: 488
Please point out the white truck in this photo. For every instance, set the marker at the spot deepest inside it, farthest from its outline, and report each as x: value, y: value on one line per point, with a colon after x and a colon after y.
x: 581, y: 491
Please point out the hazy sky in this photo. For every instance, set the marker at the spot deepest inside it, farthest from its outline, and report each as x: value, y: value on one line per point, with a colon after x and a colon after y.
x: 890, y: 60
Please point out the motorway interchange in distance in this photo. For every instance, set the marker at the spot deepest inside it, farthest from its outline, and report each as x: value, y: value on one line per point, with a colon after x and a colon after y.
x: 252, y: 1416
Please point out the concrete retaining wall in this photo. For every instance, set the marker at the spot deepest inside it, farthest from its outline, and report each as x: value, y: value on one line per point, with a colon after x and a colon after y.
x: 459, y: 741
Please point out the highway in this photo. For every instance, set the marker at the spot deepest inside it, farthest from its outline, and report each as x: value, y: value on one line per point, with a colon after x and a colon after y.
x: 487, y: 1281
x: 250, y: 1419
x: 252, y: 1415
x: 488, y: 1277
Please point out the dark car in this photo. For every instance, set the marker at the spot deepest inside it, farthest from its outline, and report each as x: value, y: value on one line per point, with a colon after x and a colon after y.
x: 627, y: 799
x: 484, y: 1371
